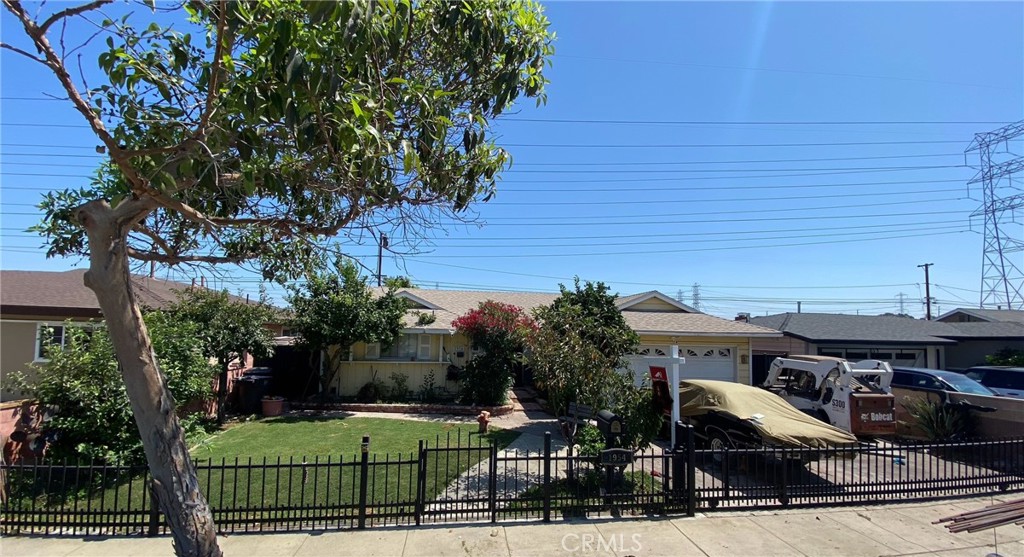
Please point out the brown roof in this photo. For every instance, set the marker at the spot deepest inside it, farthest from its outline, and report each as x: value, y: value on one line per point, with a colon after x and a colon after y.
x: 692, y: 324
x: 447, y: 305
x: 64, y: 294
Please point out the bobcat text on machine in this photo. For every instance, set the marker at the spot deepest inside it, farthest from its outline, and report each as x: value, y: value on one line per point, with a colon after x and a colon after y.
x: 853, y: 396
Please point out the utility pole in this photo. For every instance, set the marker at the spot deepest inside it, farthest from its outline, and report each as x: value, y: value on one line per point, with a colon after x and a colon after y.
x: 380, y: 255
x: 927, y: 292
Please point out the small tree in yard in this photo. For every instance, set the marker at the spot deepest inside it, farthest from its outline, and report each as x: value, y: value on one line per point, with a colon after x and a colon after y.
x: 335, y: 311
x: 228, y: 328
x: 1006, y: 357
x: 255, y: 132
x: 500, y: 330
x: 82, y: 383
x: 577, y: 351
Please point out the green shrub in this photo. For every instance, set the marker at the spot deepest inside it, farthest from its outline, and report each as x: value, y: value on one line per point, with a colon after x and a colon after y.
x: 428, y: 390
x: 82, y: 383
x: 1006, y: 357
x: 941, y: 421
x: 636, y: 407
x: 373, y: 391
x: 590, y: 441
x: 486, y: 379
x: 399, y: 391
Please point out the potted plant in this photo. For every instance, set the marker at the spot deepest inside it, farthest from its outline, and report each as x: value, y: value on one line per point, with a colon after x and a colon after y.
x: 273, y: 406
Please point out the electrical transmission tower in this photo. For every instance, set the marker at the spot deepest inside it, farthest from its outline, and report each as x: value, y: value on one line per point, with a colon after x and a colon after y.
x: 695, y: 296
x: 901, y: 296
x: 1002, y: 281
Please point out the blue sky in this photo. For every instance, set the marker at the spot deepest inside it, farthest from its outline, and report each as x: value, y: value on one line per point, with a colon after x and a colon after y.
x: 768, y: 152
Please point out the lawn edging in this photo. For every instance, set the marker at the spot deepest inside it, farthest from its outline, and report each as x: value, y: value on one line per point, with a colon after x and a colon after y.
x: 457, y: 409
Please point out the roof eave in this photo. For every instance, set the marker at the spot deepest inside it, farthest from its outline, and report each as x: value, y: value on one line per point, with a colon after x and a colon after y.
x: 706, y: 334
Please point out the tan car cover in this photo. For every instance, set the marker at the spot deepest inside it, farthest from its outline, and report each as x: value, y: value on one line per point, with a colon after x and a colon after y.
x: 778, y: 422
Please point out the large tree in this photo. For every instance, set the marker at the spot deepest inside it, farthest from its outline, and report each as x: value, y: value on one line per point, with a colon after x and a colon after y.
x: 229, y: 329
x: 579, y: 348
x: 333, y: 311
x: 254, y: 131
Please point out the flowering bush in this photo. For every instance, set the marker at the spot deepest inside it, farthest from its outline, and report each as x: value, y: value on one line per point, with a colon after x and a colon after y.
x: 495, y: 326
x: 501, y: 331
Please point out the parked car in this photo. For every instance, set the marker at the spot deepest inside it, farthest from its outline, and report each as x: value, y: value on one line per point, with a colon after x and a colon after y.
x: 937, y: 380
x: 1004, y: 380
x: 726, y: 414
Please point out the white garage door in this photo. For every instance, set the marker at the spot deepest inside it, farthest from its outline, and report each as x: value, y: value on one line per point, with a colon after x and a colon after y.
x: 702, y: 362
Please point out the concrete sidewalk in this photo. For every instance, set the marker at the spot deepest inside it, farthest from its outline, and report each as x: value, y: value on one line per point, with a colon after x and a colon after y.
x: 850, y: 531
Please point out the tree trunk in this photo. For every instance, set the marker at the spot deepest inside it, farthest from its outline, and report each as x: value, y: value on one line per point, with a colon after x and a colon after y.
x: 222, y: 389
x: 174, y: 476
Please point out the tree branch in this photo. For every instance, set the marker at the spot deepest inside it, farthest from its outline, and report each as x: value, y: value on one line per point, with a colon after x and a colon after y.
x: 22, y: 52
x: 170, y: 259
x: 218, y: 54
x: 71, y: 12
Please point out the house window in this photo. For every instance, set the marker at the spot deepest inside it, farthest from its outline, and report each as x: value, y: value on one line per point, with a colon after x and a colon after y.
x: 50, y: 334
x: 407, y: 346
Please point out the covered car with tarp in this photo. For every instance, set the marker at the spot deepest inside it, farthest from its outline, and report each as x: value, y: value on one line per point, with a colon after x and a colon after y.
x: 732, y: 415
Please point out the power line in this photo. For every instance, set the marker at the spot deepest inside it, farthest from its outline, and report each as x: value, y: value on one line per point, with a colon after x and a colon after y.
x: 659, y: 242
x: 663, y: 236
x: 564, y: 218
x: 754, y: 123
x: 665, y: 251
x: 621, y: 163
x: 733, y: 220
x: 631, y: 145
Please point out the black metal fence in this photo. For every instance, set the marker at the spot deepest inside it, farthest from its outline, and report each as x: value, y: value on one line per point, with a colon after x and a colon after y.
x: 467, y: 482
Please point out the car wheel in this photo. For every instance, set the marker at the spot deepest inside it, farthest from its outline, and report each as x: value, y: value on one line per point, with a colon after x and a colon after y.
x: 718, y: 441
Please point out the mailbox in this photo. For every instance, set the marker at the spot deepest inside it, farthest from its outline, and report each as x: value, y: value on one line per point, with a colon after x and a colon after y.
x: 610, y: 423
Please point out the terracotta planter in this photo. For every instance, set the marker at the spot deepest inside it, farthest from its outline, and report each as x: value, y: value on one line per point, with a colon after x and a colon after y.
x: 273, y: 406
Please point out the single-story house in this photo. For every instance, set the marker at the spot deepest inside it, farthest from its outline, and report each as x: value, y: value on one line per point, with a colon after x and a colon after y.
x: 982, y: 332
x: 33, y: 301
x: 898, y: 340
x: 981, y: 315
x: 713, y: 348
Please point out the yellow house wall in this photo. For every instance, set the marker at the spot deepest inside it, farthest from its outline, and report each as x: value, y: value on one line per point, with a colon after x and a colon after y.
x: 740, y: 345
x: 652, y: 304
x: 17, y: 350
x: 358, y: 370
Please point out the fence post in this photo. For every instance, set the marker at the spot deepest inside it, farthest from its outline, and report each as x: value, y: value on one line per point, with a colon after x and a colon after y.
x: 492, y: 483
x: 153, y: 528
x: 421, y: 482
x: 784, y: 484
x: 678, y: 471
x: 547, y: 476
x: 364, y: 469
x: 691, y: 472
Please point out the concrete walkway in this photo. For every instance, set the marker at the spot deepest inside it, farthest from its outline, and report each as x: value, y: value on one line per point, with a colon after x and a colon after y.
x: 891, y: 530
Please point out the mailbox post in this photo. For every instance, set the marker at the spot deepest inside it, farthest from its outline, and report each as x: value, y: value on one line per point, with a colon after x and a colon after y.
x: 614, y: 457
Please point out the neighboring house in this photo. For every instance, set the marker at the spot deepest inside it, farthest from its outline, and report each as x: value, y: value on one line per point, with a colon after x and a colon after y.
x: 713, y: 347
x: 33, y: 301
x: 970, y: 315
x: 899, y: 340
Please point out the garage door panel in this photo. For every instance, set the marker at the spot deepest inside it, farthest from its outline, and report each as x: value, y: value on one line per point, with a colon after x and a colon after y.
x: 702, y: 362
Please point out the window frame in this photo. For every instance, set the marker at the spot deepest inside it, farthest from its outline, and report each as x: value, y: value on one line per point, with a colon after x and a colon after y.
x: 38, y: 354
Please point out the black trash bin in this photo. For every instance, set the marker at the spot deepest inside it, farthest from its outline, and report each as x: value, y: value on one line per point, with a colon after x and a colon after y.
x: 253, y: 385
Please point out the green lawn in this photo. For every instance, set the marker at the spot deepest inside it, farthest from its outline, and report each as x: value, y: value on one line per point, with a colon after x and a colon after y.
x: 335, y: 436
x: 304, y: 468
